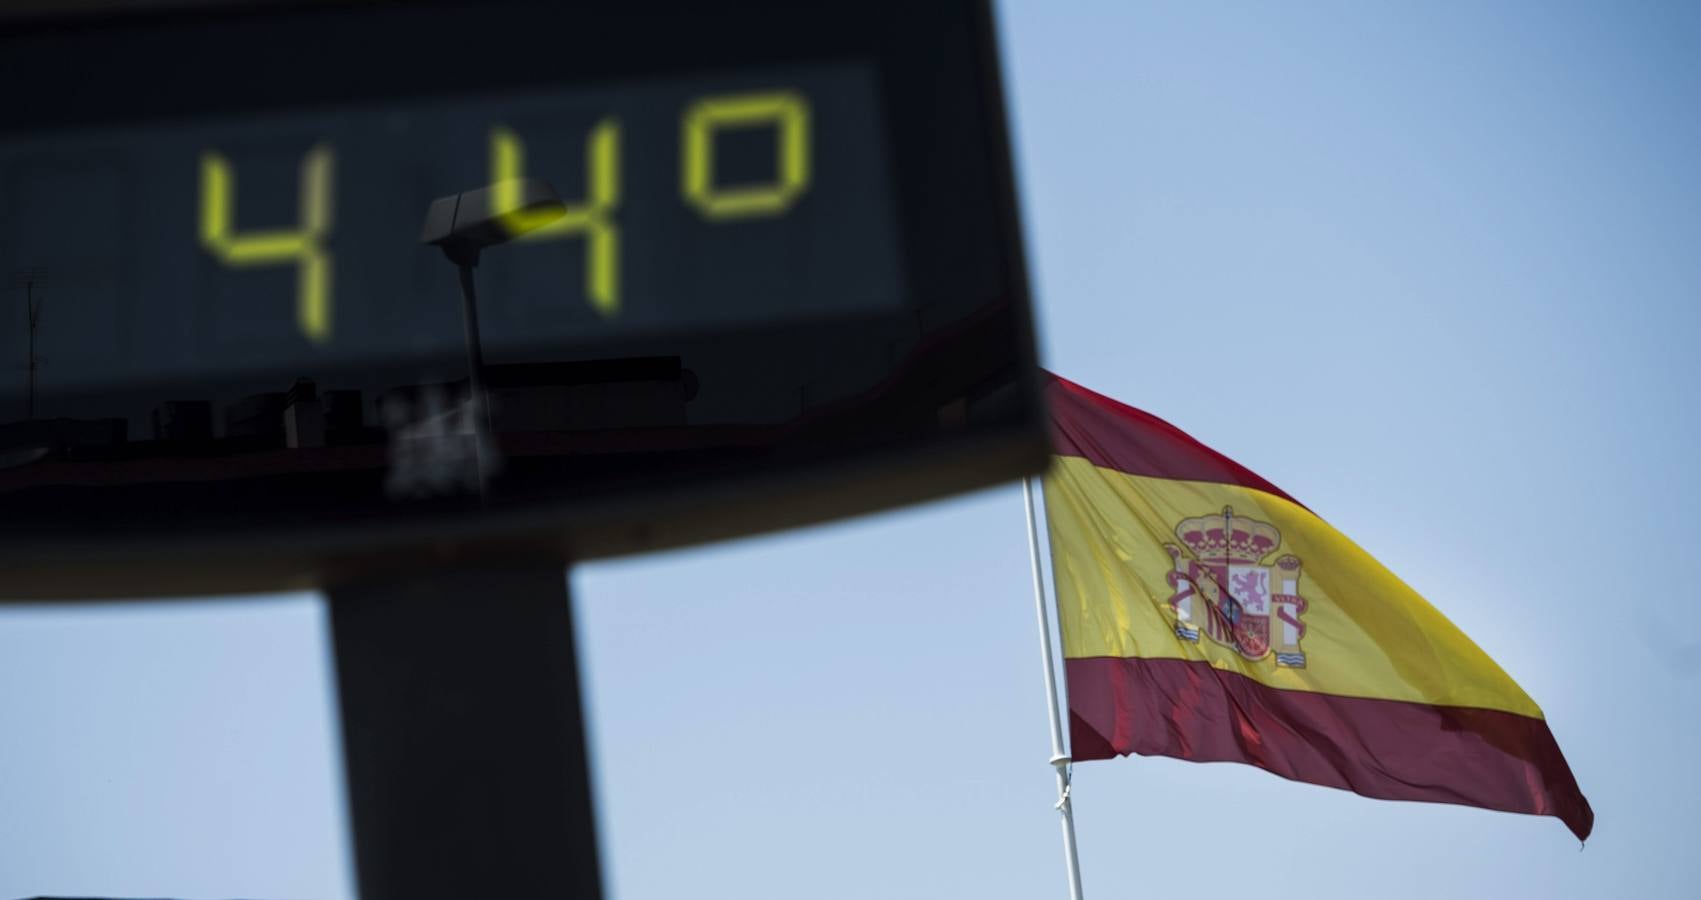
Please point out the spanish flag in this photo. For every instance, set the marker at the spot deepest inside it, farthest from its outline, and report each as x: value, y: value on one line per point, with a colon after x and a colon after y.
x: 1209, y: 616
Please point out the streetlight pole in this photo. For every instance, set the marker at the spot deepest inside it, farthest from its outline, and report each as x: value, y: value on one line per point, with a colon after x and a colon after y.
x: 475, y: 346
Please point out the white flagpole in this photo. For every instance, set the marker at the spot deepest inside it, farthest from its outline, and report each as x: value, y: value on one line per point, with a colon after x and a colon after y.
x: 1059, y: 759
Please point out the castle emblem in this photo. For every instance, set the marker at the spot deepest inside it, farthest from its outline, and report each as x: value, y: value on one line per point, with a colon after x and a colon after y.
x: 1225, y: 591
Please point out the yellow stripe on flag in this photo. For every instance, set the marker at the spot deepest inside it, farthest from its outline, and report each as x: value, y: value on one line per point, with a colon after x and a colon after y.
x: 1365, y: 633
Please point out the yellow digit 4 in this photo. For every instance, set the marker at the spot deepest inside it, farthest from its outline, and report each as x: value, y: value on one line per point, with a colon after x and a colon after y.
x: 593, y: 219
x: 305, y: 246
x: 787, y: 112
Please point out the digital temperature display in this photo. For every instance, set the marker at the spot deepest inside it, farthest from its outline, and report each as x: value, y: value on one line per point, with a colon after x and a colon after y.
x: 255, y: 243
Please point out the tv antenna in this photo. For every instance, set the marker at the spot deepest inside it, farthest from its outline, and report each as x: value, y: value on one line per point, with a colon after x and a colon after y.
x: 29, y: 280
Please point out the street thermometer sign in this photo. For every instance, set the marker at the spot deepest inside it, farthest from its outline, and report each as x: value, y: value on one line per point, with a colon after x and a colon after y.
x: 415, y: 302
x: 744, y: 266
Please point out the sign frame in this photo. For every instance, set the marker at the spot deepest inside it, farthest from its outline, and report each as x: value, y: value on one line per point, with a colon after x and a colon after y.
x: 984, y: 419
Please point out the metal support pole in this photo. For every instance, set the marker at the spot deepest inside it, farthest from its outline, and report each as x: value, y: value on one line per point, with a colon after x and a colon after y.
x: 463, y: 739
x: 1059, y: 758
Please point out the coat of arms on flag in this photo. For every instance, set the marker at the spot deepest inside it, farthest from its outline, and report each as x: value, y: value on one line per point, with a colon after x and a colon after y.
x: 1226, y: 591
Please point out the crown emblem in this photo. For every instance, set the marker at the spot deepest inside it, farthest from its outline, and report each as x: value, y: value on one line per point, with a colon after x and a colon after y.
x: 1228, y: 537
x: 1226, y: 594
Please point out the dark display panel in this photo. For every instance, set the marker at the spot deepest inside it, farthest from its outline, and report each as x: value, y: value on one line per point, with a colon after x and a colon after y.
x: 787, y: 284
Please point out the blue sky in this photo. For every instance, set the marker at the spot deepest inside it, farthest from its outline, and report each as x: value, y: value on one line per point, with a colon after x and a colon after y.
x: 1432, y: 268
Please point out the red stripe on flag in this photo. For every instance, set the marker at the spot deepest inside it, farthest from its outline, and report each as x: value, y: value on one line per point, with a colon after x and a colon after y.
x: 1391, y: 749
x: 1117, y: 436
